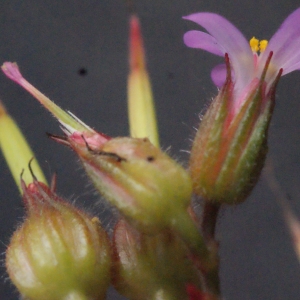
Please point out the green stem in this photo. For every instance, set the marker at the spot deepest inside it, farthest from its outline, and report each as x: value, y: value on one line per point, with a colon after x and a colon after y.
x: 188, y: 231
x: 206, y: 259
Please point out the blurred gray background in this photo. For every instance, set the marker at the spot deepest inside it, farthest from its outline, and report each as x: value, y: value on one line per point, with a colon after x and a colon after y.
x: 76, y: 53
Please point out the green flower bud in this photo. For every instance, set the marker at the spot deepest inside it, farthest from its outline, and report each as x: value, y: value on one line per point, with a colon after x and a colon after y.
x: 59, y: 252
x: 145, y: 184
x: 230, y: 146
x: 151, y: 267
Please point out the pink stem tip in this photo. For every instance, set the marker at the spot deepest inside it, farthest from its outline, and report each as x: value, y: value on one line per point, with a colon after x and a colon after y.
x: 11, y: 70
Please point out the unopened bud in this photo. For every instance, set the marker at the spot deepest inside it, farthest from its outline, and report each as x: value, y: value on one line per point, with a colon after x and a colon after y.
x: 145, y: 184
x: 150, y: 189
x: 59, y: 252
x: 230, y: 146
x: 151, y: 267
x: 141, y: 110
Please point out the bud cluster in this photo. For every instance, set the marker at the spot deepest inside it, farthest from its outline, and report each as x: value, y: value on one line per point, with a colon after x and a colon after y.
x: 157, y: 250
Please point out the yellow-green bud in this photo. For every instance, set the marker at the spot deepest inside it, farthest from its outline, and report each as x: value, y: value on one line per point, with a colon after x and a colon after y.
x: 151, y: 267
x: 145, y: 184
x: 59, y: 252
x: 141, y: 110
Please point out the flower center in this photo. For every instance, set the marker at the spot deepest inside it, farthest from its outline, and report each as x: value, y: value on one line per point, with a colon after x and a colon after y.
x: 257, y: 45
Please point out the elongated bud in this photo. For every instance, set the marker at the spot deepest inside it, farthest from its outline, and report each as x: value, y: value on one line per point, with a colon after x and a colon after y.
x: 151, y: 267
x: 16, y: 150
x: 59, y: 252
x: 230, y: 146
x: 141, y: 110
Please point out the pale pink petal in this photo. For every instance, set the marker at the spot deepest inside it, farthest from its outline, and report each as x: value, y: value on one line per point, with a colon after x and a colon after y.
x: 204, y: 41
x: 218, y: 75
x: 232, y: 41
x: 290, y: 64
x: 295, y: 67
x: 285, y: 44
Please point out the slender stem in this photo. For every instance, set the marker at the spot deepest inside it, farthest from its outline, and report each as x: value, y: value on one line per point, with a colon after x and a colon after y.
x: 203, y: 255
x: 189, y: 233
x: 208, y: 227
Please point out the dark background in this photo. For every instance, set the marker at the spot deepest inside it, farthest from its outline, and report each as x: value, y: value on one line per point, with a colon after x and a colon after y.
x: 53, y: 40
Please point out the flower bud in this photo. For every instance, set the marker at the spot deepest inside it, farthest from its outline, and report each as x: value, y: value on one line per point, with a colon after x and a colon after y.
x: 145, y: 184
x: 141, y: 111
x: 230, y: 146
x: 59, y: 252
x: 151, y: 267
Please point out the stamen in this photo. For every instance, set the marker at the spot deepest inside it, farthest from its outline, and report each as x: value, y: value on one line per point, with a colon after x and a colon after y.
x: 263, y: 45
x: 257, y: 45
x: 254, y: 44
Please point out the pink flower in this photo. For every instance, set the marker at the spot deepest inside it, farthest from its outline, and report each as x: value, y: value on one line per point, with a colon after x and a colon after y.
x: 246, y: 65
x: 230, y: 147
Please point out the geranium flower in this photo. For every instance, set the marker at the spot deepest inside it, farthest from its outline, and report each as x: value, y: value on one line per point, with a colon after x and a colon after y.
x: 246, y: 64
x: 230, y: 147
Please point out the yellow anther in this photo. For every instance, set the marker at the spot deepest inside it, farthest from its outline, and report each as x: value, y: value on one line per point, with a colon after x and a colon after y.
x: 257, y: 45
x: 263, y: 45
x: 254, y: 44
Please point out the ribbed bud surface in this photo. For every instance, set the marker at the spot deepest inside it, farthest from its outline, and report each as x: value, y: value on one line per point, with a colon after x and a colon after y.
x: 59, y: 252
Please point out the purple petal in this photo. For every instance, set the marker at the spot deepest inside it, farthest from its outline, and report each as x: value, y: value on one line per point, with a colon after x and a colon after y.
x: 232, y: 41
x: 295, y: 67
x: 218, y: 75
x: 202, y: 40
x: 285, y: 44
